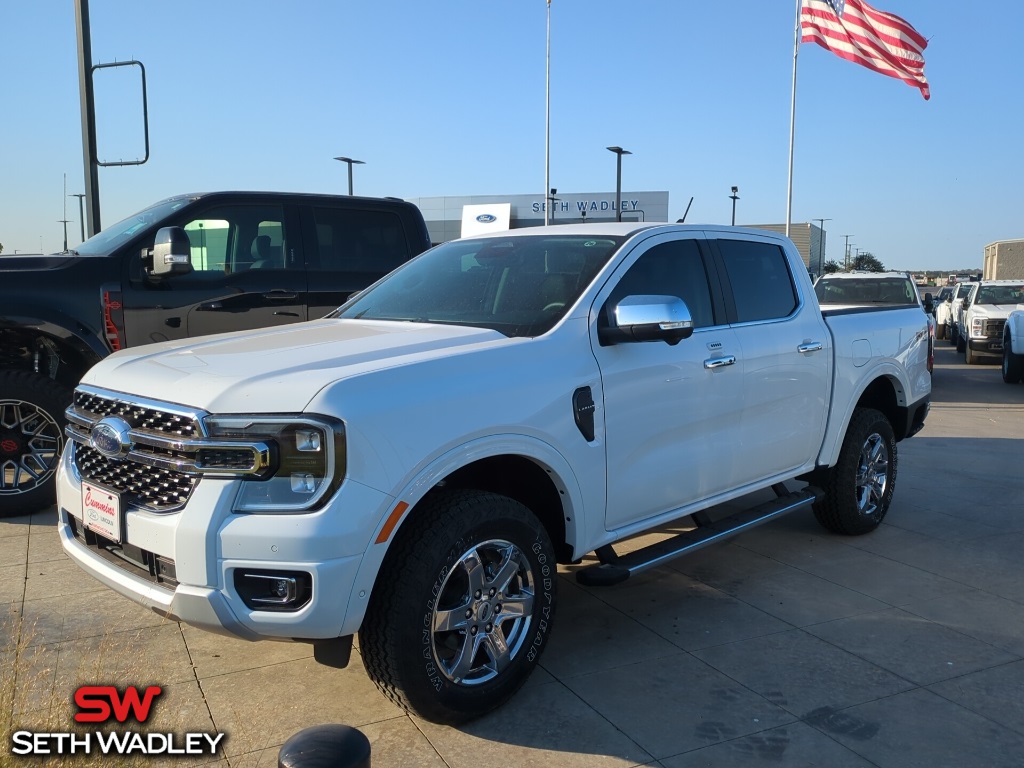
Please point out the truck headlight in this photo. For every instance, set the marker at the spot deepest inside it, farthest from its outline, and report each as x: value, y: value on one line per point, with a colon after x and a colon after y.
x: 978, y: 326
x: 306, y: 459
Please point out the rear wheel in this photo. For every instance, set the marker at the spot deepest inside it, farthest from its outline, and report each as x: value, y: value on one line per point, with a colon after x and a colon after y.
x: 1013, y: 365
x: 952, y: 335
x: 31, y: 438
x: 961, y: 343
x: 940, y: 331
x: 463, y: 606
x: 859, y: 488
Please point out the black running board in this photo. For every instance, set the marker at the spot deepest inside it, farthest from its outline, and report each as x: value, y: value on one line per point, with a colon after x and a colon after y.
x: 614, y: 571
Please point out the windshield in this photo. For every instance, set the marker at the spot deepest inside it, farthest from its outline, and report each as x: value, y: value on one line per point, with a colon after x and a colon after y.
x: 107, y: 240
x: 1000, y: 294
x: 517, y: 285
x: 866, y: 290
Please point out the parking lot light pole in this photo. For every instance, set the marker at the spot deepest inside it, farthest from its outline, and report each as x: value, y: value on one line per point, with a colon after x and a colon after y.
x: 619, y: 152
x: 81, y: 212
x: 734, y: 197
x: 821, y: 242
x: 846, y: 252
x: 350, y: 162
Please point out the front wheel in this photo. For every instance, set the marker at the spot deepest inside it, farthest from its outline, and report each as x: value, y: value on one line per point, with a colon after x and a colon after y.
x: 1013, y: 365
x: 31, y: 438
x: 970, y: 356
x: 859, y: 488
x: 462, y: 608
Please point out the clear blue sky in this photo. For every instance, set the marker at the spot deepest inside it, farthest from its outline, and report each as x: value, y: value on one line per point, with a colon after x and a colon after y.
x: 447, y: 98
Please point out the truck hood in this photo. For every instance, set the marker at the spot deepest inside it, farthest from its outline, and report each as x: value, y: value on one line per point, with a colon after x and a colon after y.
x: 278, y: 369
x: 993, y: 311
x: 36, y: 263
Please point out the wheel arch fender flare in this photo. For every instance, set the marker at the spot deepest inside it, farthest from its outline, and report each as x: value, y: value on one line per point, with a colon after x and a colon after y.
x: 885, y: 379
x: 60, y: 328
x: 427, y: 477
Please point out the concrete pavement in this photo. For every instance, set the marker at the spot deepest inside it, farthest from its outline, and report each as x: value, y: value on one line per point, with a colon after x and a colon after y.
x: 787, y: 646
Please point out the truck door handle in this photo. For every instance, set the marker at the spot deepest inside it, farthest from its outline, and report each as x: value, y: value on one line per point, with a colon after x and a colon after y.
x: 278, y: 295
x: 811, y: 346
x: 720, y: 362
x: 210, y: 306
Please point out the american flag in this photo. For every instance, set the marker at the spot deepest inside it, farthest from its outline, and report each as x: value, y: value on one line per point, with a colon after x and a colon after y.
x: 855, y: 31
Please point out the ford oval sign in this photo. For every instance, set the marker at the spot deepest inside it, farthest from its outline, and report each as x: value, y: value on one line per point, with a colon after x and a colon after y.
x: 486, y: 218
x: 111, y: 437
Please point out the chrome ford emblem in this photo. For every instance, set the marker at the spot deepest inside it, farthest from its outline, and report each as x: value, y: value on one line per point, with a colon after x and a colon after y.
x: 110, y: 437
x: 486, y: 218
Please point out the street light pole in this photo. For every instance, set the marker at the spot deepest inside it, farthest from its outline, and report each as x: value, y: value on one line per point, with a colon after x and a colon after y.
x: 821, y: 242
x: 350, y: 162
x: 619, y: 152
x: 81, y: 215
x: 846, y: 252
x: 734, y: 196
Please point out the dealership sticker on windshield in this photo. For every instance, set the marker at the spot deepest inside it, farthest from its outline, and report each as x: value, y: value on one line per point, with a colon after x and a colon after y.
x: 101, y: 512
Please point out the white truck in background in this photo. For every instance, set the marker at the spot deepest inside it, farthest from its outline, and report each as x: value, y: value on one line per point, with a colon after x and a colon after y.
x: 414, y: 467
x: 983, y: 315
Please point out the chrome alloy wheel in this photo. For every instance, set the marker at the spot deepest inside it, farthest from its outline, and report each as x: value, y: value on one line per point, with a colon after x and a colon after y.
x: 30, y: 445
x: 483, y: 613
x: 872, y: 474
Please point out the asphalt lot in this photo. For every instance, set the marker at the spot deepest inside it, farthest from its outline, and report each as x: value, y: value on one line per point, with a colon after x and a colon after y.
x: 787, y: 646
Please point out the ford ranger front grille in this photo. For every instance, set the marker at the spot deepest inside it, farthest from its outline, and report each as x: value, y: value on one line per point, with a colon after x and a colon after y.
x: 153, y: 453
x: 153, y: 475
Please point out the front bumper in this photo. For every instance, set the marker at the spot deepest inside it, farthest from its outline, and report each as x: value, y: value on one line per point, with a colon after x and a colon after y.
x: 182, y: 564
x: 986, y: 346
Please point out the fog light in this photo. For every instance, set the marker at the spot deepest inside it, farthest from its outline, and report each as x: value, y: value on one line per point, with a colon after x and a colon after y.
x: 273, y: 590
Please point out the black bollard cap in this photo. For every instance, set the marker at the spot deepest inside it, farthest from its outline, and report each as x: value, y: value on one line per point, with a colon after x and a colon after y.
x: 326, y: 746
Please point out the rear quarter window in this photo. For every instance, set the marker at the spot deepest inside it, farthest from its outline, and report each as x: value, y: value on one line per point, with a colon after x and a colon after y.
x: 762, y: 285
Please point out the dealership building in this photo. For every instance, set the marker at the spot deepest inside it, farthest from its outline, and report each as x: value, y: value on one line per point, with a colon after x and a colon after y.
x: 449, y: 218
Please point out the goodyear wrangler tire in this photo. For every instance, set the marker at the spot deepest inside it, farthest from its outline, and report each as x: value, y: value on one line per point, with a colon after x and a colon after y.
x: 859, y: 488
x: 462, y: 608
x: 31, y: 439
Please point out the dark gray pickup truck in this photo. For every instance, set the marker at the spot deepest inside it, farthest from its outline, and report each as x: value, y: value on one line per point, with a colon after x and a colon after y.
x: 256, y: 259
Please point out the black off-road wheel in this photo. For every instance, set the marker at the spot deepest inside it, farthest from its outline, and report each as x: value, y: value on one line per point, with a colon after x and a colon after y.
x: 952, y: 334
x: 859, y: 488
x: 961, y: 343
x: 462, y: 608
x: 940, y: 331
x: 1013, y: 365
x: 31, y: 439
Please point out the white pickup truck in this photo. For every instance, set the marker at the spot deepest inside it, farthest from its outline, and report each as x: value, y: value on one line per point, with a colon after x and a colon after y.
x: 415, y: 466
x: 983, y: 315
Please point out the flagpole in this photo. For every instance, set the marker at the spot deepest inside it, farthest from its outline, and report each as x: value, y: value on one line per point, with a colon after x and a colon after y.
x: 792, y: 120
x: 547, y: 126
